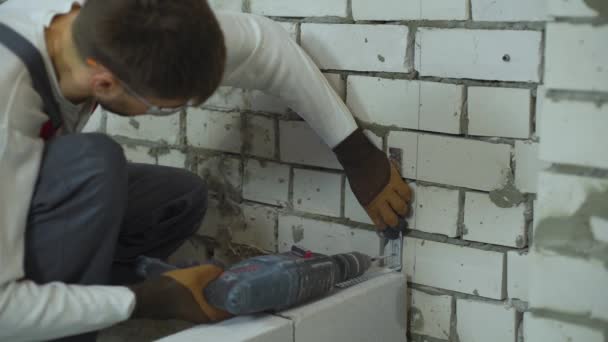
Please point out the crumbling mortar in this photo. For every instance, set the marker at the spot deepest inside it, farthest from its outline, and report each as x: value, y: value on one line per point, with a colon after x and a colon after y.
x: 597, y: 97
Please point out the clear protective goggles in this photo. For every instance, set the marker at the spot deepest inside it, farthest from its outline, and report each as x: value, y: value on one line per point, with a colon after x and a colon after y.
x: 154, y: 109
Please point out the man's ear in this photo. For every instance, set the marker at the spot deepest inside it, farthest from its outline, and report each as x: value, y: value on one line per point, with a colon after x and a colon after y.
x: 103, y: 83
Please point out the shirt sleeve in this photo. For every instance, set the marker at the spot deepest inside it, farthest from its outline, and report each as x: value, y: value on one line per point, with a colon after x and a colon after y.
x: 28, y: 311
x: 262, y: 56
x: 31, y: 312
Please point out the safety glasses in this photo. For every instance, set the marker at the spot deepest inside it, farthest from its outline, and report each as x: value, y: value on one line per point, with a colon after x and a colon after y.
x: 154, y: 109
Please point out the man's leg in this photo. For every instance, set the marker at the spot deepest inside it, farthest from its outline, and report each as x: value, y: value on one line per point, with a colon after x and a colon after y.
x: 165, y: 207
x: 76, y: 212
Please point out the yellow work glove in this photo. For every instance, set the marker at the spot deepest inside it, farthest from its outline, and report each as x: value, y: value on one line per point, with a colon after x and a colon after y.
x: 375, y: 181
x: 178, y: 295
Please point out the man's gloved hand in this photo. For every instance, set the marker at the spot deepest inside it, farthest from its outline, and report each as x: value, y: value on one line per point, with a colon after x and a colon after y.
x: 375, y: 181
x: 178, y: 295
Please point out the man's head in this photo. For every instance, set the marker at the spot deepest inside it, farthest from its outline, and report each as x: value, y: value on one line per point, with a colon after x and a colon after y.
x: 150, y: 52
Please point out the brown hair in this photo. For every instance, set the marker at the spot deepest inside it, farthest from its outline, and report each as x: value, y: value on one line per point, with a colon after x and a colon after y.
x: 167, y: 49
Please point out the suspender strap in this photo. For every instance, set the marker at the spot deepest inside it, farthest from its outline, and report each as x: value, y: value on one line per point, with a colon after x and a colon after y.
x: 32, y: 59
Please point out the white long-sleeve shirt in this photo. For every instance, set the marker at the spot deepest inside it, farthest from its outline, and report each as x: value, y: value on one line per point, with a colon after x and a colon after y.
x: 260, y: 56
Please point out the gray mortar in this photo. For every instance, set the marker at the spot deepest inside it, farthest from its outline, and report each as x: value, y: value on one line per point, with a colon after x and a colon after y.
x: 571, y: 235
x: 416, y: 319
x: 297, y: 233
x: 509, y: 196
x: 577, y: 319
x: 601, y: 6
x: 134, y: 123
x: 598, y: 98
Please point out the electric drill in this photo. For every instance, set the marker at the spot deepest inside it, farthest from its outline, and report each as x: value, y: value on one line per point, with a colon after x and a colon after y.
x: 274, y: 282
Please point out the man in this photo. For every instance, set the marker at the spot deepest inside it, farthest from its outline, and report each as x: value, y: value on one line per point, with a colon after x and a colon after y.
x: 74, y: 215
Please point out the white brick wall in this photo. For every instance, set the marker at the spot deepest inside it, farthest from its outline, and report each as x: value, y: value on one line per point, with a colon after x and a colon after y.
x: 566, y: 136
x: 437, y: 210
x: 357, y: 47
x: 570, y: 8
x: 410, y: 9
x: 569, y: 42
x: 509, y: 10
x: 145, y: 128
x: 214, y: 130
x: 518, y: 275
x: 408, y: 143
x: 486, y: 222
x: 266, y: 182
x: 478, y: 54
x: 455, y: 268
x: 260, y: 137
x: 460, y: 162
x: 317, y: 192
x: 499, y: 112
x: 430, y: 315
x: 541, y: 329
x: 324, y: 237
x: 499, y: 321
x: 259, y: 228
x: 528, y: 166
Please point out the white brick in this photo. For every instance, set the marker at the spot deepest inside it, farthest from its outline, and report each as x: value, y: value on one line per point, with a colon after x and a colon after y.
x: 455, y: 268
x: 543, y: 329
x: 599, y: 228
x: 408, y: 143
x: 517, y: 275
x: 214, y: 130
x: 499, y: 321
x: 570, y: 8
x: 138, y: 154
x: 357, y: 314
x: 478, y: 54
x: 258, y: 328
x: 527, y: 166
x: 430, y: 314
x: 145, y: 127
x: 467, y: 163
x: 437, y: 210
x: 577, y: 285
x: 410, y: 9
x: 357, y: 47
x: 509, y: 10
x: 383, y: 101
x: 499, y: 112
x: 317, y: 192
x: 571, y: 128
x: 560, y: 199
x: 440, y: 107
x: 563, y: 195
x: 266, y: 182
x: 296, y: 8
x: 227, y: 5
x: 301, y: 145
x: 541, y: 95
x: 221, y: 173
x: 174, y: 158
x: 337, y: 83
x: 584, y: 43
x: 486, y: 222
x: 260, y: 137
x: 259, y: 229
x: 325, y: 237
